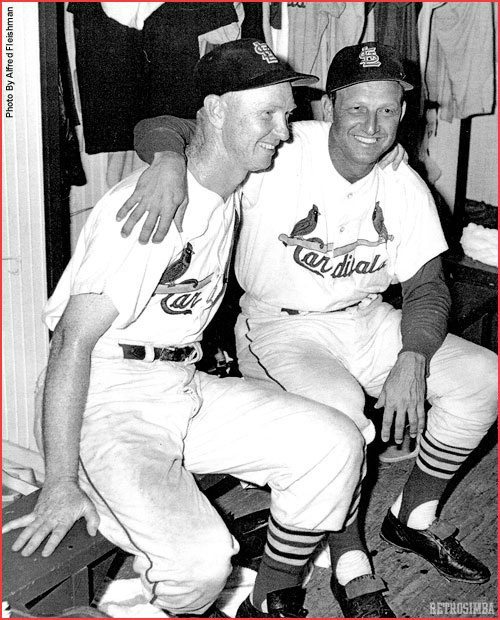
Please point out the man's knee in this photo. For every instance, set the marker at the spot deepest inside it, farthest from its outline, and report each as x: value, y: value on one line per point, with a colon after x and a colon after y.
x: 351, y: 442
x: 332, y: 438
x: 466, y: 371
x: 484, y: 370
x: 480, y: 384
x: 466, y: 405
x: 208, y: 577
x: 200, y: 576
x: 348, y: 399
x: 321, y: 476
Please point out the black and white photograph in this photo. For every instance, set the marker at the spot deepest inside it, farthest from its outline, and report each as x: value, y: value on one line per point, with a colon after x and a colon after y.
x: 250, y: 309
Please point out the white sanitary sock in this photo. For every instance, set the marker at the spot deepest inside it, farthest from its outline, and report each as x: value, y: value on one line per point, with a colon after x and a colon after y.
x: 421, y: 517
x: 352, y: 564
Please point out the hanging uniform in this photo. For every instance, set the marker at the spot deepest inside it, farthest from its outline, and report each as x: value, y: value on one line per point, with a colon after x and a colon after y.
x: 125, y: 74
x: 318, y: 30
x: 460, y: 66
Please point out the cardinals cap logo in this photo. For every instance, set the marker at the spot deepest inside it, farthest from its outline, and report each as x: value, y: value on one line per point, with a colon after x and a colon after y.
x: 369, y: 57
x: 263, y: 50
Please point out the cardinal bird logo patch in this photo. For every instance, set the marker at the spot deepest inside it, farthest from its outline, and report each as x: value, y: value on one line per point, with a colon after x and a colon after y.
x: 378, y: 223
x: 319, y: 257
x: 178, y: 268
x: 180, y: 297
x: 307, y: 225
x: 303, y: 227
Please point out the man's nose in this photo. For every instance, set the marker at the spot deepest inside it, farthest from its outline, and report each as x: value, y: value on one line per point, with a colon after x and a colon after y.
x: 281, y: 129
x: 370, y: 124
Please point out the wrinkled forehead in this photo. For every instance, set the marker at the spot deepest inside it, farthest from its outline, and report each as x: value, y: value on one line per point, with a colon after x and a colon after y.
x: 387, y: 90
x: 278, y: 96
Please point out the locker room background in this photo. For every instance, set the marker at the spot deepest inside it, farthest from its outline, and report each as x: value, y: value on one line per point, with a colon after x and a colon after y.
x: 55, y: 169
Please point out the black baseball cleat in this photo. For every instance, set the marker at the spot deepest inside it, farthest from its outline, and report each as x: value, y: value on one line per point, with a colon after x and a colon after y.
x: 438, y: 545
x: 362, y: 597
x: 285, y: 603
x: 212, y: 612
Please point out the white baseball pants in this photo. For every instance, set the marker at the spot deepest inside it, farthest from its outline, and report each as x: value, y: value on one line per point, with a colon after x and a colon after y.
x: 330, y: 357
x: 149, y: 425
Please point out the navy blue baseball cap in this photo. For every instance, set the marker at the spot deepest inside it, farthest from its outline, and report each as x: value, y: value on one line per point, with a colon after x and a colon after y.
x: 366, y: 62
x: 241, y: 65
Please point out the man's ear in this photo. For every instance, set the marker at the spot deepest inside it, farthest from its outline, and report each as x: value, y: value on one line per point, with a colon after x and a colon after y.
x: 403, y: 110
x: 327, y: 108
x: 215, y: 108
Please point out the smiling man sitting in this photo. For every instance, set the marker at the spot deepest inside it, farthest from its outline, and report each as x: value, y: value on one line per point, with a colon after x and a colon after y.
x: 127, y: 417
x: 324, y: 233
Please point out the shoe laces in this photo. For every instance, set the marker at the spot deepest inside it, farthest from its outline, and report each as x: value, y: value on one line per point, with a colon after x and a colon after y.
x: 456, y: 550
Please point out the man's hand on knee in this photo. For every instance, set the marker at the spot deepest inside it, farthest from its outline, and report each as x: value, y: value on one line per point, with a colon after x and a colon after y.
x: 59, y: 506
x: 403, y: 397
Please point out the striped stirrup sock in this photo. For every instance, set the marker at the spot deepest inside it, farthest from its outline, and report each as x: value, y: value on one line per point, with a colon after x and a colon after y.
x: 435, y: 465
x: 286, y: 553
x: 349, y: 554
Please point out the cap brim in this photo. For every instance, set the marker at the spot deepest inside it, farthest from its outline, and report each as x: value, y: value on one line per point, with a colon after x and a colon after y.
x: 405, y: 85
x: 297, y: 79
x: 305, y: 80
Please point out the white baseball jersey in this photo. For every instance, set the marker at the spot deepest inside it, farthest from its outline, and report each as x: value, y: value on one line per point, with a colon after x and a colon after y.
x: 166, y: 293
x: 148, y: 425
x: 312, y: 241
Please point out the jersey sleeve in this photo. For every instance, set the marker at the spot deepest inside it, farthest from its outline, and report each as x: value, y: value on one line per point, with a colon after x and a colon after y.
x: 426, y: 305
x: 106, y: 263
x: 420, y: 236
x: 162, y: 133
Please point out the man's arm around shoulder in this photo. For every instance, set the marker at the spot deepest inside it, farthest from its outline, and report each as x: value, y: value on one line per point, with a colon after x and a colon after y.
x: 162, y: 189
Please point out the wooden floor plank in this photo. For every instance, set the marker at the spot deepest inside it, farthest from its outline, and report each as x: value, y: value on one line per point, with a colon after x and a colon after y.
x: 415, y: 588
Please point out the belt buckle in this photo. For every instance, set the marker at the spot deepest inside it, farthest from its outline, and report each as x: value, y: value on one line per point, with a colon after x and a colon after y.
x: 174, y: 354
x: 166, y: 354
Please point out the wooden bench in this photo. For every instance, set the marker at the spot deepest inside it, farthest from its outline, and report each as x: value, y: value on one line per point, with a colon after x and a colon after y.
x: 72, y: 576
x: 81, y: 567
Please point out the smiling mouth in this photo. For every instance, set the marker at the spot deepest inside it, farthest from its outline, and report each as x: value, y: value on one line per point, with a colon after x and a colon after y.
x: 368, y: 141
x: 267, y: 147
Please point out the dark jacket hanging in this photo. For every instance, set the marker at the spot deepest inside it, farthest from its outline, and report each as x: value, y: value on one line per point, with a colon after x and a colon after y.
x: 125, y: 75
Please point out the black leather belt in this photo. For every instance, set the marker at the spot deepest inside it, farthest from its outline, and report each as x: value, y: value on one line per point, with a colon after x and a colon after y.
x: 138, y: 352
x: 290, y: 311
x: 293, y: 312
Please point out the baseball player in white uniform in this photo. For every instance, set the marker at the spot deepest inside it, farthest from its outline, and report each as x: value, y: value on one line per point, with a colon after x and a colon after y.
x: 127, y: 418
x: 324, y: 233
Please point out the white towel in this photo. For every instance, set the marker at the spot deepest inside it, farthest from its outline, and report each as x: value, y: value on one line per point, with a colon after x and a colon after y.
x: 480, y: 243
x: 125, y: 598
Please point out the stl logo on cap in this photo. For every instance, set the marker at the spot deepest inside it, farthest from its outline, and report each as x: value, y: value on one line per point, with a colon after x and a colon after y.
x: 369, y: 57
x: 263, y: 50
